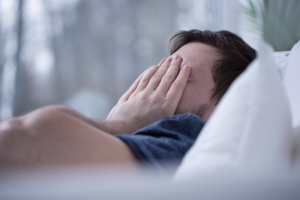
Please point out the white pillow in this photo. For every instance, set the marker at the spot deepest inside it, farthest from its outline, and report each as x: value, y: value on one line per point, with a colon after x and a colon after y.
x: 250, y: 130
x: 280, y: 59
x: 291, y: 81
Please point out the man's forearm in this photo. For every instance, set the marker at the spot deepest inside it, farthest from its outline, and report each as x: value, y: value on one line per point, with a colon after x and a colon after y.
x: 108, y: 126
x: 111, y: 127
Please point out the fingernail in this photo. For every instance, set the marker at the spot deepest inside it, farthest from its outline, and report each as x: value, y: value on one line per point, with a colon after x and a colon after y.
x: 176, y: 57
x: 169, y: 59
x: 186, y: 67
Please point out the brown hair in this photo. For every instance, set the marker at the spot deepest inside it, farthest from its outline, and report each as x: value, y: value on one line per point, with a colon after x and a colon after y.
x: 235, y: 53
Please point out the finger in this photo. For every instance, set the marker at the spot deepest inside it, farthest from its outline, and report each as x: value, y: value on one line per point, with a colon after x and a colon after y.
x: 170, y: 75
x: 156, y: 78
x: 146, y: 78
x: 132, y: 88
x: 161, y: 62
x: 111, y: 113
x: 175, y: 92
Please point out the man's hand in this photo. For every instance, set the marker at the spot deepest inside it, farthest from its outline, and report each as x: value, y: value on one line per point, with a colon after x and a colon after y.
x: 153, y: 96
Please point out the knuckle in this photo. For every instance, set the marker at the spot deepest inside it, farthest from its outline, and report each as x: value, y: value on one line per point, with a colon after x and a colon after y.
x: 132, y: 96
x: 144, y: 95
x: 156, y: 98
x: 177, y: 85
x: 169, y: 77
x: 144, y: 80
x: 156, y: 76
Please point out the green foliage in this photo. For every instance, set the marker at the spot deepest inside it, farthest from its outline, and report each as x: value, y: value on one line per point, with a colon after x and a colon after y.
x: 278, y: 20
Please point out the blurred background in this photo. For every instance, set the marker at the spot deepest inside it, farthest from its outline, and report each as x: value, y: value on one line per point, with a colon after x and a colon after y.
x: 86, y: 53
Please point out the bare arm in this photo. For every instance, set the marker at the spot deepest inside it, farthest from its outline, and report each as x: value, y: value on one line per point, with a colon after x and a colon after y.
x: 59, y: 136
x: 153, y: 96
x: 103, y: 125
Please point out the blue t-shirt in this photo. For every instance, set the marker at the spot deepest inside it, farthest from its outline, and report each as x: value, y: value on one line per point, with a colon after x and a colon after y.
x: 165, y: 142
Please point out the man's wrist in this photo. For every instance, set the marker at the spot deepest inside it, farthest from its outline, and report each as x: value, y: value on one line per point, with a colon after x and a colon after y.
x: 112, y: 126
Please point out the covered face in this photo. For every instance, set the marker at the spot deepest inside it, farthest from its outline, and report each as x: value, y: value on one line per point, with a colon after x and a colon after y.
x: 196, y: 97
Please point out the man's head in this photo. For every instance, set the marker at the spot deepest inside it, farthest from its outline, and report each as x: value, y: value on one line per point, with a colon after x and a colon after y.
x: 216, y: 59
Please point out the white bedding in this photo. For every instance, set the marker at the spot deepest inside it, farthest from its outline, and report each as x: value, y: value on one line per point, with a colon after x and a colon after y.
x: 250, y: 148
x: 251, y: 129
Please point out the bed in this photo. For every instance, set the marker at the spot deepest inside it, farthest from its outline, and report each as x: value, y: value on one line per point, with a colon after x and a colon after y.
x: 249, y: 148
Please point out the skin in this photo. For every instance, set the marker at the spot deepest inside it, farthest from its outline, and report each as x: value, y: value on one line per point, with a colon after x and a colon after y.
x: 57, y: 136
x: 197, y: 94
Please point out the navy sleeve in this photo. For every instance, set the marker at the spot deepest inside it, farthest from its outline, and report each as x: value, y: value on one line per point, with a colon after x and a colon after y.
x: 165, y: 141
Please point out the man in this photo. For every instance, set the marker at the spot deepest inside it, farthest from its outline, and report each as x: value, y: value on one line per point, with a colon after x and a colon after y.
x: 193, y: 79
